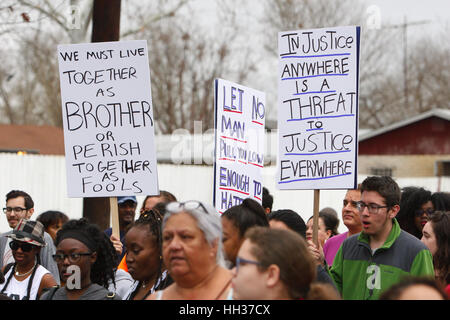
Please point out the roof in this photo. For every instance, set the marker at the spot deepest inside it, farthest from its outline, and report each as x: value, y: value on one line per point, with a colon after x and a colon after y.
x: 47, y: 140
x: 440, y: 113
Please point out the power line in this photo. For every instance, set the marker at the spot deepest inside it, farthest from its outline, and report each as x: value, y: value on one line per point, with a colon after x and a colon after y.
x: 404, y: 27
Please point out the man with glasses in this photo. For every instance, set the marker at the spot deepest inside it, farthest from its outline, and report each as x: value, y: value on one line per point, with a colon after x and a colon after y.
x: 20, y: 205
x: 372, y: 261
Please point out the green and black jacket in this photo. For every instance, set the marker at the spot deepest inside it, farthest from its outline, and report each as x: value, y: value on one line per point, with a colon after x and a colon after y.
x: 360, y: 274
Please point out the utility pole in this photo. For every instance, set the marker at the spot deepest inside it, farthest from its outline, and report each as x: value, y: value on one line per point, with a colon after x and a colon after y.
x: 404, y: 26
x: 105, y: 27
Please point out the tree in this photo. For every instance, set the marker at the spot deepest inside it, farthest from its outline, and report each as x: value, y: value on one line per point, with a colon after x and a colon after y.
x: 31, y: 30
x: 185, y: 60
x: 428, y: 81
x: 182, y: 81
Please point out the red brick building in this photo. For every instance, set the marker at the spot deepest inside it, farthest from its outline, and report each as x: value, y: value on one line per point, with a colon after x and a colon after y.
x: 46, y: 140
x: 418, y: 146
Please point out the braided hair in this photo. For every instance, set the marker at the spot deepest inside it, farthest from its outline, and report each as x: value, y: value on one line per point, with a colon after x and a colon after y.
x: 151, y: 220
x: 103, y: 269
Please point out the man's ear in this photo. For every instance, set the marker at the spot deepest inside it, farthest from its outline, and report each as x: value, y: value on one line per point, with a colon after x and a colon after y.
x: 29, y: 213
x: 273, y: 275
x: 394, y: 210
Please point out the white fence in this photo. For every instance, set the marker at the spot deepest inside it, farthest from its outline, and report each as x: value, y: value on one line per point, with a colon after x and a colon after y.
x: 44, y: 178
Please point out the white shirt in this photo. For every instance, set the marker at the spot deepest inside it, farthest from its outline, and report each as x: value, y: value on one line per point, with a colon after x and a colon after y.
x: 17, y: 290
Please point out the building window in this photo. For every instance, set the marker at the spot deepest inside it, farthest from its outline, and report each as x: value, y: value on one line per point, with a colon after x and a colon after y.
x: 442, y: 168
x: 381, y: 172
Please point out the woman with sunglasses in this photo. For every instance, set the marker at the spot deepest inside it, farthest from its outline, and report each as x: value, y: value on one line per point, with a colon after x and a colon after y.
x: 86, y: 261
x: 415, y: 209
x: 25, y: 279
x: 192, y: 253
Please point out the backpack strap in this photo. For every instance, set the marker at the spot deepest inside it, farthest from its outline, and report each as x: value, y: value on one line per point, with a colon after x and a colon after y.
x: 51, y: 291
x: 7, y: 267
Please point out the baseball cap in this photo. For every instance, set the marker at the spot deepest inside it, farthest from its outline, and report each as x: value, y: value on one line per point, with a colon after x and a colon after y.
x: 127, y: 198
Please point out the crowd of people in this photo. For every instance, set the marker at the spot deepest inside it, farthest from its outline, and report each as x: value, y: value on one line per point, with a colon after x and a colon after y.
x: 396, y: 247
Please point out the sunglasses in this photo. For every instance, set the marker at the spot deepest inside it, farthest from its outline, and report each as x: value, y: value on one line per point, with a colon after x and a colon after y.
x: 26, y: 247
x: 176, y: 207
x: 420, y: 212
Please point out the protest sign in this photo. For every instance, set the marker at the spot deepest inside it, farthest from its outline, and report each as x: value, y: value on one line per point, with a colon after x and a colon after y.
x: 108, y: 119
x: 239, y: 144
x: 318, y: 108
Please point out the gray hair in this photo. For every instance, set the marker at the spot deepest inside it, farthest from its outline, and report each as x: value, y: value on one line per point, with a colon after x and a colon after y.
x: 209, y: 223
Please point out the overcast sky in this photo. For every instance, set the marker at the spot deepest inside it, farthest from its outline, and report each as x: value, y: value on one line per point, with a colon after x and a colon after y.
x: 435, y: 12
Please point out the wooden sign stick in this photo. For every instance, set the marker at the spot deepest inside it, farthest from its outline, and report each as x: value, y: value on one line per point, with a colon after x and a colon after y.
x: 316, y: 217
x: 114, y: 217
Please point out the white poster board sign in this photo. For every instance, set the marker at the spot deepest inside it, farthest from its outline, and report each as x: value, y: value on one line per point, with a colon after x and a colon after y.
x: 318, y: 108
x: 108, y: 120
x: 239, y: 144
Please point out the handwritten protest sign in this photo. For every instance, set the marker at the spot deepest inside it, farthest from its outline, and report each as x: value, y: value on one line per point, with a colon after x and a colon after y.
x: 108, y: 120
x: 318, y: 108
x: 239, y: 156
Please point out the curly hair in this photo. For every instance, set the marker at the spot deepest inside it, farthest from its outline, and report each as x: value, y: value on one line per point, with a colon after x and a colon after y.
x: 412, y: 200
x: 103, y: 269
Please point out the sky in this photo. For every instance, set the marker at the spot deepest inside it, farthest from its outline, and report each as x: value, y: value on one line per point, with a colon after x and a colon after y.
x: 436, y: 13
x: 433, y: 16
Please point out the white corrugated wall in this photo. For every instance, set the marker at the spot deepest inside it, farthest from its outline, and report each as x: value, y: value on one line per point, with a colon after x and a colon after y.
x: 44, y: 178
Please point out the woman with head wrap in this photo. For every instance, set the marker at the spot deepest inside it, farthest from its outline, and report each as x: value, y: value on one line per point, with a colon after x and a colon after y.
x: 86, y: 263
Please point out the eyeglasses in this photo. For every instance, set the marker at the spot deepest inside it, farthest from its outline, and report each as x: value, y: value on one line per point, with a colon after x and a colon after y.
x: 420, y: 212
x: 354, y: 204
x: 15, y: 209
x: 240, y: 261
x: 176, y: 207
x: 372, y: 207
x: 73, y: 257
x: 26, y: 247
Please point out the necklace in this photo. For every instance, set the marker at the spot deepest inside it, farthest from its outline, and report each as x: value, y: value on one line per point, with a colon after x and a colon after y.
x: 25, y: 273
x: 144, y: 285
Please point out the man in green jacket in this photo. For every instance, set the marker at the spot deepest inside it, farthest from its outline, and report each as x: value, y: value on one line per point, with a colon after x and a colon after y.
x: 370, y: 262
